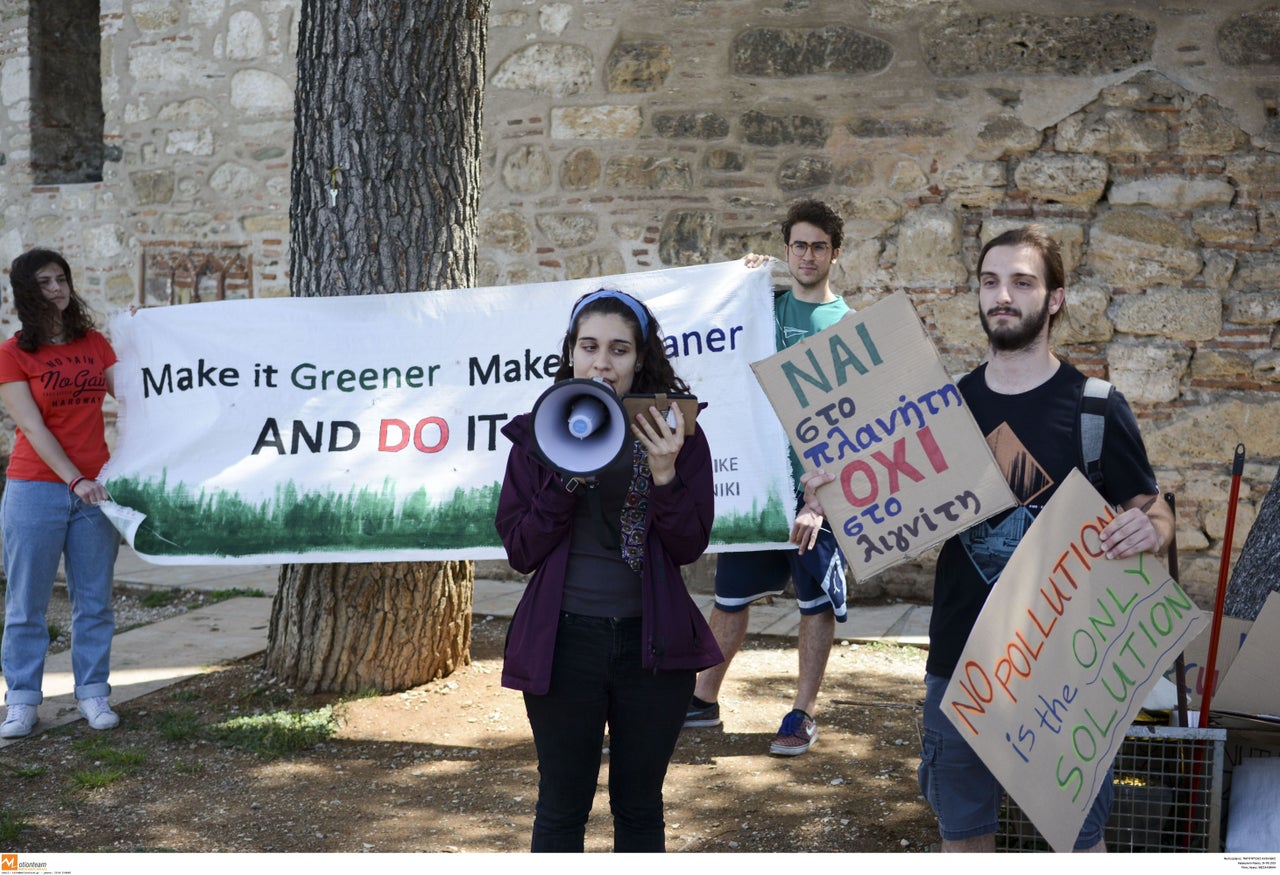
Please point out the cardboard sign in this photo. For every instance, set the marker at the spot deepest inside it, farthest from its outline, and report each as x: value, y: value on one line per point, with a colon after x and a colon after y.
x: 1195, y: 659
x: 868, y: 401
x: 1252, y: 686
x: 1063, y: 654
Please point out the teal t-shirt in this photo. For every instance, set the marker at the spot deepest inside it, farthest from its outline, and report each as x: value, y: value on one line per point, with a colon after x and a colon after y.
x: 794, y: 321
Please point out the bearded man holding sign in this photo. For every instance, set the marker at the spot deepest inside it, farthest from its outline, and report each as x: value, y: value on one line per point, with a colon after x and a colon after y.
x: 1027, y: 402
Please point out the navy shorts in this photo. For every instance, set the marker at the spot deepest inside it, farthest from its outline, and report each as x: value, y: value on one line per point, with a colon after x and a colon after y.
x: 964, y: 794
x: 818, y: 575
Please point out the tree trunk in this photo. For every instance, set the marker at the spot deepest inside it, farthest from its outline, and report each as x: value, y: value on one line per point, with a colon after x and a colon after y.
x: 383, y: 626
x: 385, y: 191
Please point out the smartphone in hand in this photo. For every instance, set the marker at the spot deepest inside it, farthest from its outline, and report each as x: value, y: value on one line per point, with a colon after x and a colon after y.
x: 636, y: 404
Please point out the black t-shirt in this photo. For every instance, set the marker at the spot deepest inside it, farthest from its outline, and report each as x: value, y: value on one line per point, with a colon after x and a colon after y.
x: 1035, y: 439
x: 598, y: 581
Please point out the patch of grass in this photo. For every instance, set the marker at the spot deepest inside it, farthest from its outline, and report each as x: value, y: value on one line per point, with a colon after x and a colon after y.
x: 32, y: 771
x: 55, y: 632
x: 158, y: 598
x: 178, y: 725
x: 100, y: 750
x: 96, y: 779
x: 221, y: 595
x: 12, y: 822
x: 187, y: 696
x: 278, y: 733
x: 188, y: 768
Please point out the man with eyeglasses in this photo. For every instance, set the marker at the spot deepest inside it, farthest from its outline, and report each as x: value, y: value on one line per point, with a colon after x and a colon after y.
x: 812, y: 233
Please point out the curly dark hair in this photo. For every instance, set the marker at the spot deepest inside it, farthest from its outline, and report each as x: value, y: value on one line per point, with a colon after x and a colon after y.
x: 35, y: 311
x: 819, y: 215
x: 656, y: 373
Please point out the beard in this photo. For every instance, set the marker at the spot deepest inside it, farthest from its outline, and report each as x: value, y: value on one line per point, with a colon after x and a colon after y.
x: 1020, y: 335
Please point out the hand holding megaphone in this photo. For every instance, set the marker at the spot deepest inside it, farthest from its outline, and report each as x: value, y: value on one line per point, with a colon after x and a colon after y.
x: 580, y: 427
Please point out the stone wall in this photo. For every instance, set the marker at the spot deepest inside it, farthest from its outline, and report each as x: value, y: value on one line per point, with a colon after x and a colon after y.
x: 628, y: 135
x: 198, y: 104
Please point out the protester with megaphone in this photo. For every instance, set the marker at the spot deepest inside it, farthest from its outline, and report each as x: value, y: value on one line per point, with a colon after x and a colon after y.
x: 606, y: 634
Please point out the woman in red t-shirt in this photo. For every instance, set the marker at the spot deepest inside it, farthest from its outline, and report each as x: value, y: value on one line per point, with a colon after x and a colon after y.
x: 54, y: 375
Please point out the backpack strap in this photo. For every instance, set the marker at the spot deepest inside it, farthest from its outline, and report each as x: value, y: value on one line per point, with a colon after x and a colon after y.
x: 1094, y: 398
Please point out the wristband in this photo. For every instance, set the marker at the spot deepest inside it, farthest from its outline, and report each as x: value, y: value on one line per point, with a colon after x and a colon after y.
x: 71, y: 487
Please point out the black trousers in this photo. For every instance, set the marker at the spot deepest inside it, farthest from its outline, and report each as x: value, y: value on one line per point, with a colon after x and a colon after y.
x: 597, y: 681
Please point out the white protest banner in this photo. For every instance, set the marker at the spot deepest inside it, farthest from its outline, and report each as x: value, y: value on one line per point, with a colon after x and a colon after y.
x: 367, y: 428
x: 1066, y: 648
x: 868, y: 401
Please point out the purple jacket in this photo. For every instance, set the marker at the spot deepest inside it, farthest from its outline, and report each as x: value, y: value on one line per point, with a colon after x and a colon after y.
x: 534, y: 517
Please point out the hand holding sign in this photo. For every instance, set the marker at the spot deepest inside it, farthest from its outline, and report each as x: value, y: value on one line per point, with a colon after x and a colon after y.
x: 809, y: 518
x: 868, y: 401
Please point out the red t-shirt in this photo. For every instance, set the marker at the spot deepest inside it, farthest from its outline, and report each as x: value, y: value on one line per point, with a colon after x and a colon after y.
x: 68, y: 382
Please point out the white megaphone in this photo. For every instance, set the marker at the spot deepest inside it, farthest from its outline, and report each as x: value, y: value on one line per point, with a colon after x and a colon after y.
x: 579, y: 427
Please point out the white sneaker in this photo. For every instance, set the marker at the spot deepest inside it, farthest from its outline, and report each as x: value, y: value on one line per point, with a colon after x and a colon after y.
x: 19, y: 720
x: 98, y: 713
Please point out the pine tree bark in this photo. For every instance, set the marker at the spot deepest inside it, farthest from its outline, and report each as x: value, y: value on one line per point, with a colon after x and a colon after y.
x: 385, y: 191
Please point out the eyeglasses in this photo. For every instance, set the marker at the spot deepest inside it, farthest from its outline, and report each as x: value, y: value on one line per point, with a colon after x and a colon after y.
x: 800, y: 248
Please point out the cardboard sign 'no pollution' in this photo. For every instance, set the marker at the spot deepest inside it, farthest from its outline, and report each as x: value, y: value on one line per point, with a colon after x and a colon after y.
x: 1061, y: 658
x: 868, y: 401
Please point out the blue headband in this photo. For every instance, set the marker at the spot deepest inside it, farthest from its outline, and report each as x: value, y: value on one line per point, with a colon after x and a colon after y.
x: 636, y: 307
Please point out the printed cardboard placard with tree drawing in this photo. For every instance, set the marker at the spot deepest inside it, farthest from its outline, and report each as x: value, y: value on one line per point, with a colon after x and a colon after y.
x: 868, y: 401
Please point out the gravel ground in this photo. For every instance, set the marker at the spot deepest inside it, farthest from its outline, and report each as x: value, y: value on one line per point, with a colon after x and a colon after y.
x: 134, y: 607
x: 450, y: 767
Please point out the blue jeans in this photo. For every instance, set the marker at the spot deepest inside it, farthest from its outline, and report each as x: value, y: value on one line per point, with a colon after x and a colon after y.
x: 961, y: 790
x: 597, y: 680
x: 42, y: 523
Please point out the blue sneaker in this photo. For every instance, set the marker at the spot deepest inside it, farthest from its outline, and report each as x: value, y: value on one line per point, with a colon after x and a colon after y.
x: 796, y: 735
